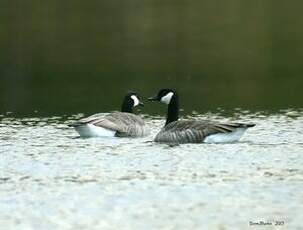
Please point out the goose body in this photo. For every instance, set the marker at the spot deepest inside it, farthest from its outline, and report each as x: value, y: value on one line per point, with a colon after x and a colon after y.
x: 116, y: 124
x: 194, y: 131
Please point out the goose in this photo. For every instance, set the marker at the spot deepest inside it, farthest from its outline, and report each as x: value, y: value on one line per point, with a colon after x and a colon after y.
x: 193, y: 131
x: 115, y: 124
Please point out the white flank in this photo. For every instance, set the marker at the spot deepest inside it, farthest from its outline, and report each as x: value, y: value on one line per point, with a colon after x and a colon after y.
x: 166, y: 99
x: 135, y: 99
x: 90, y: 130
x: 225, y: 137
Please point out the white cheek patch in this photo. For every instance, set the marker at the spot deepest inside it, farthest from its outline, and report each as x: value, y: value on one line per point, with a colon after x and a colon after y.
x: 166, y: 99
x: 135, y: 99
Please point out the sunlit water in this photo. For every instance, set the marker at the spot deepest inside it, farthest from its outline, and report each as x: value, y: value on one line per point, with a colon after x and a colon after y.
x: 51, y: 180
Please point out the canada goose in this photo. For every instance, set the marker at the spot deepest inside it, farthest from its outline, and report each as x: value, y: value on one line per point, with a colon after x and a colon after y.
x: 193, y: 131
x: 119, y: 124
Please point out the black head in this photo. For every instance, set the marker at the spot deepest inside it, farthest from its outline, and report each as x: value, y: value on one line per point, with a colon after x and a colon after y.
x: 170, y: 98
x: 131, y: 100
x: 164, y: 95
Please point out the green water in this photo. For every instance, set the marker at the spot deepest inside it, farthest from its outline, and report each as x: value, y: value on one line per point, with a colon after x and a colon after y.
x: 65, y: 57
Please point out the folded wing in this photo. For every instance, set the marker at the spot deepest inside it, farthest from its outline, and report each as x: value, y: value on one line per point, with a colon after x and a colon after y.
x: 125, y: 124
x: 195, y: 131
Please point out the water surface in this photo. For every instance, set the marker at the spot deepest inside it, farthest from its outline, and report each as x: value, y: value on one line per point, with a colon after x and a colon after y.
x: 51, y: 180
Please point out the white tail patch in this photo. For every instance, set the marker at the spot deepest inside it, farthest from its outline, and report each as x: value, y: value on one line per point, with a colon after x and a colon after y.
x: 225, y: 137
x: 90, y: 130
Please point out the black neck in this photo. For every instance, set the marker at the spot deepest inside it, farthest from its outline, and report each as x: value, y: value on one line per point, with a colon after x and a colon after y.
x: 173, y: 110
x: 127, y: 105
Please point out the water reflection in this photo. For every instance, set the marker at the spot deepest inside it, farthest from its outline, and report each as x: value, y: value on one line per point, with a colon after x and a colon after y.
x: 65, y: 58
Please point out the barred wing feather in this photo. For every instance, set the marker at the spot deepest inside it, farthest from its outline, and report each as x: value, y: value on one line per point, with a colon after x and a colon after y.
x: 125, y: 124
x: 194, y: 131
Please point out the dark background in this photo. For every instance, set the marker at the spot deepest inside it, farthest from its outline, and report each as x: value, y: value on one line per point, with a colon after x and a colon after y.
x: 64, y: 57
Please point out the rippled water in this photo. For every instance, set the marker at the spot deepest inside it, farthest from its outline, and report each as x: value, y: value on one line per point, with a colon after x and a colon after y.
x: 51, y: 180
